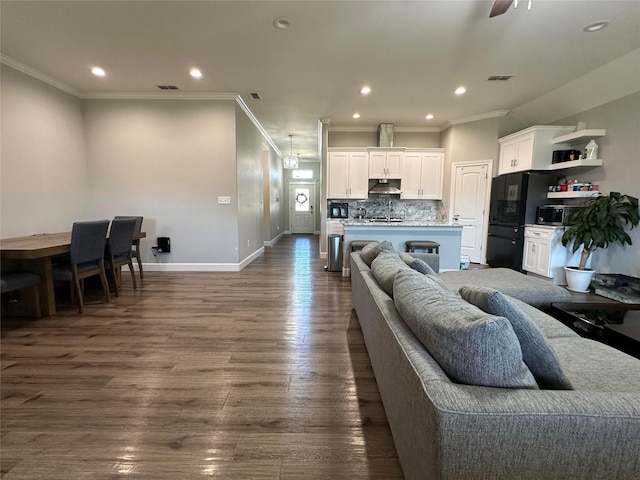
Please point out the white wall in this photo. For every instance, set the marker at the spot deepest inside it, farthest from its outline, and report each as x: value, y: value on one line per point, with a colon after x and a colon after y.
x: 44, y: 175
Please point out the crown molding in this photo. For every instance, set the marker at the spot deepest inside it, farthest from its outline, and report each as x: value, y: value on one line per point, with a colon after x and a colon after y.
x: 375, y: 129
x: 258, y: 125
x: 32, y: 72
x: 169, y: 95
x: 476, y: 118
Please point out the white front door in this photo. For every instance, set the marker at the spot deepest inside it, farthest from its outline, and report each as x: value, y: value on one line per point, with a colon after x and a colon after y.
x: 469, y: 198
x: 301, y: 213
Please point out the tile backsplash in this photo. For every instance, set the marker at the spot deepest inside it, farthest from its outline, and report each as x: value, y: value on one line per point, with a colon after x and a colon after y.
x: 377, y: 207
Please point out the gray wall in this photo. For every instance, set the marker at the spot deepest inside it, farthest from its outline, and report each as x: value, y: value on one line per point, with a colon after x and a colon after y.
x: 167, y: 160
x: 620, y: 171
x: 272, y: 184
x: 45, y: 178
x: 249, y: 176
x: 370, y: 139
x: 466, y: 143
x: 65, y: 160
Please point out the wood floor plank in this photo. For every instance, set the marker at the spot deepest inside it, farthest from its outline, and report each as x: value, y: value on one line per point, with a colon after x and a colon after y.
x: 259, y: 374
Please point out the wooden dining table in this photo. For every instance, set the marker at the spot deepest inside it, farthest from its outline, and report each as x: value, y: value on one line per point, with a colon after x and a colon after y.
x: 34, y: 253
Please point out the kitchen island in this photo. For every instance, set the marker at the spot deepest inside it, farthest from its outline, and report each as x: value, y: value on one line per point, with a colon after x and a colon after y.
x: 446, y: 234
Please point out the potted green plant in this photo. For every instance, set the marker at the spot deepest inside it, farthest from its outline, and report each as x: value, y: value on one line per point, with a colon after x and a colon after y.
x: 602, y: 221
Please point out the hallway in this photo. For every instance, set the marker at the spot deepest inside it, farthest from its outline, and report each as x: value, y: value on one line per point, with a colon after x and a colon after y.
x: 259, y: 374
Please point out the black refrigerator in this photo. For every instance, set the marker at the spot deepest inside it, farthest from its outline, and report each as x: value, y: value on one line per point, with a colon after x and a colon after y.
x: 514, y: 200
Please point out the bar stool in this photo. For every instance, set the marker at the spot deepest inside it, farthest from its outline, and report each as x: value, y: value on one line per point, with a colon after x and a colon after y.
x: 357, y: 245
x: 429, y: 246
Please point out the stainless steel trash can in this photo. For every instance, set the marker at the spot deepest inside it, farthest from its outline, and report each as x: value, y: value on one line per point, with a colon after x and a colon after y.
x: 334, y: 253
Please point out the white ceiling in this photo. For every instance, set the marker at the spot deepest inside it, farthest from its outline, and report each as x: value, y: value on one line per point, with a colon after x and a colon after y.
x: 412, y: 54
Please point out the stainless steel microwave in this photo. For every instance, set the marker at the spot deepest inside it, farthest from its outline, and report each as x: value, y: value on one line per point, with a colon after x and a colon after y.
x: 555, y: 214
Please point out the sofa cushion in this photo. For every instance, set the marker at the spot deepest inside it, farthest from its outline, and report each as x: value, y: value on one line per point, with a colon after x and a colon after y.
x: 596, y: 367
x: 534, y: 291
x: 537, y: 352
x: 385, y: 267
x: 371, y: 251
x: 549, y: 326
x: 417, y: 264
x: 470, y: 345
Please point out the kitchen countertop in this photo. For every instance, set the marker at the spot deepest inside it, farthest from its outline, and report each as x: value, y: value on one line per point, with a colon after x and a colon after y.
x: 547, y: 227
x: 403, y: 223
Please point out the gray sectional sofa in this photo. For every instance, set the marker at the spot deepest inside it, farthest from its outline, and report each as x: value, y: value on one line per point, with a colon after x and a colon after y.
x: 491, y: 397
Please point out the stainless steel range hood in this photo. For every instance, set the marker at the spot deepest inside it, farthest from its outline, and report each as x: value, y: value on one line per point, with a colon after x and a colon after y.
x: 383, y: 187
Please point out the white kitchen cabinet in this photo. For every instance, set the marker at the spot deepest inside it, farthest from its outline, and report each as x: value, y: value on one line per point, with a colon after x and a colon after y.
x: 385, y: 163
x: 348, y: 174
x: 422, y: 174
x: 537, y: 251
x: 530, y: 149
x: 545, y: 255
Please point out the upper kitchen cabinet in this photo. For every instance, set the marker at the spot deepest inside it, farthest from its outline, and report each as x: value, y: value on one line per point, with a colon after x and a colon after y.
x: 422, y: 174
x: 385, y: 163
x: 530, y: 149
x: 348, y: 174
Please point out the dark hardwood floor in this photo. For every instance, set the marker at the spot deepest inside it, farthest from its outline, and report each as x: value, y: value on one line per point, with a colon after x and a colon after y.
x: 258, y: 374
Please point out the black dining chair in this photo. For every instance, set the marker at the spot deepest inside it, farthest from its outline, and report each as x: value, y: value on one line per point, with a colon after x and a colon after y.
x: 12, y: 282
x: 86, y: 258
x: 118, y: 252
x: 135, y: 244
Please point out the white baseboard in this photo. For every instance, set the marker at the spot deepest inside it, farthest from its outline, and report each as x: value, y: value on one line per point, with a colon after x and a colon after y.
x: 271, y: 243
x: 202, y: 267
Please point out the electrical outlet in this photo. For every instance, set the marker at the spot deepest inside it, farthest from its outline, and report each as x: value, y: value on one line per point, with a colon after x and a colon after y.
x: 248, y: 243
x: 224, y: 200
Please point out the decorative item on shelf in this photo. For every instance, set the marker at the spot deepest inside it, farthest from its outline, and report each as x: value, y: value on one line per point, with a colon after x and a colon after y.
x: 602, y: 221
x: 291, y: 160
x: 591, y: 150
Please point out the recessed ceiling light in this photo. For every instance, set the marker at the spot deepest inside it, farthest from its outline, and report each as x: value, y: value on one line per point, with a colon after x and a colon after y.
x: 195, y: 73
x: 460, y: 90
x: 429, y: 117
x: 596, y: 26
x: 98, y: 72
x: 356, y: 116
x: 281, y: 23
x: 366, y: 90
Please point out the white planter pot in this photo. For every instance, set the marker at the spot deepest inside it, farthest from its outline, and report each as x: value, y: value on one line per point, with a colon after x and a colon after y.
x: 578, y: 280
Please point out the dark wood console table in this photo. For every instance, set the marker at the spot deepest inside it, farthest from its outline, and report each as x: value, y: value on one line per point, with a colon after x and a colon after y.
x: 614, y: 323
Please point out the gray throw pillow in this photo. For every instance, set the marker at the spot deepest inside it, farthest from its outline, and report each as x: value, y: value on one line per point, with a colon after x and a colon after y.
x: 385, y: 267
x: 371, y: 251
x: 470, y: 345
x: 417, y: 264
x: 537, y: 352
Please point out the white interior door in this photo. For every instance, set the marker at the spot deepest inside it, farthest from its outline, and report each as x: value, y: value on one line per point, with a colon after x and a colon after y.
x: 469, y: 204
x: 301, y: 211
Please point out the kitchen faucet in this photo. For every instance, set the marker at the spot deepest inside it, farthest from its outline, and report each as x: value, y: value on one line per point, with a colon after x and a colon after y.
x: 389, y: 212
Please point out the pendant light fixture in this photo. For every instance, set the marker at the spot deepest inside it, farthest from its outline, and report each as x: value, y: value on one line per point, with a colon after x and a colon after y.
x: 291, y: 160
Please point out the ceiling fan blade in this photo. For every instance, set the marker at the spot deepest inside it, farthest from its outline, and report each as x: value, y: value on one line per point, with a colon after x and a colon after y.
x: 499, y: 7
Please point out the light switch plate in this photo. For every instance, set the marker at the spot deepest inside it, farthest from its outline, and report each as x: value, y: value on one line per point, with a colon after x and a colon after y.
x: 224, y: 200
